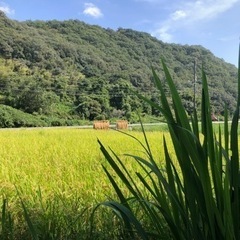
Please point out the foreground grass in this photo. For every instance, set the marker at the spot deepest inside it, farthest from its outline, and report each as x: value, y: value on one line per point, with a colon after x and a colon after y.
x: 197, y: 197
x: 58, y: 176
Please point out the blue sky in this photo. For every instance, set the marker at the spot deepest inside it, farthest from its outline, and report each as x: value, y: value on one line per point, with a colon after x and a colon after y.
x: 214, y: 24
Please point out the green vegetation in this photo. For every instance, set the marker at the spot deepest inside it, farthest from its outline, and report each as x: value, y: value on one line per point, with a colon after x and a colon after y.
x: 52, y: 181
x: 10, y: 117
x: 62, y: 72
x: 52, y: 184
x: 57, y: 173
x: 196, y: 194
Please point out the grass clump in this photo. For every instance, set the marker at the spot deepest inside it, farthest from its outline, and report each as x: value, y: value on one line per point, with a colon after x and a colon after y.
x: 196, y: 197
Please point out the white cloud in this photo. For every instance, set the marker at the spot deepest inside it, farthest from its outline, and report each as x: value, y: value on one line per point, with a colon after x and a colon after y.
x: 163, y: 34
x: 6, y: 9
x: 190, y: 13
x: 178, y: 15
x: 92, y: 10
x: 207, y: 9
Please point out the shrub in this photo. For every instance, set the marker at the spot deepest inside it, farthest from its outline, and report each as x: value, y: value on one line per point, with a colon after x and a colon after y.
x: 10, y: 117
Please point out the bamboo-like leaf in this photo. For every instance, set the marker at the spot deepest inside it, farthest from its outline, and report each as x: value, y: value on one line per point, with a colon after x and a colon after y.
x: 31, y: 226
x: 117, y: 169
x: 200, y: 200
x: 167, y: 187
x: 116, y: 188
x: 171, y: 181
x: 166, y: 110
x: 235, y: 163
x: 127, y: 217
x: 195, y: 126
x: 153, y: 215
x: 206, y: 119
x: 179, y: 109
x: 227, y: 213
x: 226, y: 132
x: 4, y: 218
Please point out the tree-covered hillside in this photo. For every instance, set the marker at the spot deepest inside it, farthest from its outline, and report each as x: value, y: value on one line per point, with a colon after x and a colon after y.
x: 69, y: 70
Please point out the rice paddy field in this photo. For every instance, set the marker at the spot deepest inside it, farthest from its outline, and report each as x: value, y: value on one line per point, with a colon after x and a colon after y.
x: 51, y: 179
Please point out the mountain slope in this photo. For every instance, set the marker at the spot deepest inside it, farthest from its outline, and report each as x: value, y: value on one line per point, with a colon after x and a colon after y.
x: 73, y: 70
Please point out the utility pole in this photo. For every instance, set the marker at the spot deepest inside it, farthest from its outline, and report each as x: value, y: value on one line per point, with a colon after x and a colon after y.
x: 194, y: 84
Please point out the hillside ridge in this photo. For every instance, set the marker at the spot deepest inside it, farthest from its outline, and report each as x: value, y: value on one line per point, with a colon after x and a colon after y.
x: 69, y: 70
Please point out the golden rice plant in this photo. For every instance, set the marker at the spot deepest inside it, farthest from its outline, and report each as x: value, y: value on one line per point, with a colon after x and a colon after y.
x: 51, y: 178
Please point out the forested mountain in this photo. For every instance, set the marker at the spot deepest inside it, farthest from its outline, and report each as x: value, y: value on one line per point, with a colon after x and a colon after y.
x: 62, y: 71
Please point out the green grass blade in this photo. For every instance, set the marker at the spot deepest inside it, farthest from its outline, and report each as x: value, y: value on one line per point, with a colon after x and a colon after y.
x: 165, y: 109
x: 226, y: 132
x: 200, y: 200
x: 31, y: 226
x: 116, y: 188
x: 128, y: 217
x: 195, y: 125
x: 235, y: 185
x: 4, y: 218
x: 116, y: 168
x: 227, y: 213
x: 179, y: 109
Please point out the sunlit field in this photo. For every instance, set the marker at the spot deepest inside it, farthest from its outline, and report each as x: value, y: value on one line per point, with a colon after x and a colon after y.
x: 63, y: 161
x: 56, y: 177
x: 57, y: 173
